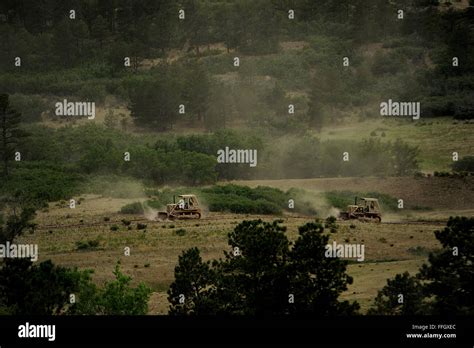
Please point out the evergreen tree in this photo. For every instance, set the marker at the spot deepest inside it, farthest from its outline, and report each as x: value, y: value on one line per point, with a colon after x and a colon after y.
x: 403, y: 295
x: 317, y: 280
x: 100, y: 30
x: 442, y: 287
x: 449, y: 276
x: 261, y: 276
x: 196, y: 90
x: 10, y: 132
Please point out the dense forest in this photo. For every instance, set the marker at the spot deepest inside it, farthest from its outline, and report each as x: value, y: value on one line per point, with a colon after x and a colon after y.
x: 163, y: 69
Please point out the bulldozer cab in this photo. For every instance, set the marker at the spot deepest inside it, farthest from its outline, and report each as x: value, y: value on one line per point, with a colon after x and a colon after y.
x: 188, y: 202
x: 369, y: 205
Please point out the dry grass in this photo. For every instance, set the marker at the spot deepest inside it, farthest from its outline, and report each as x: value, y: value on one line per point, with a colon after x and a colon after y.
x: 155, y: 251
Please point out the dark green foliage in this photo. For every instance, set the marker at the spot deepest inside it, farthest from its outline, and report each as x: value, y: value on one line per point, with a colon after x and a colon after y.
x: 465, y: 164
x: 241, y: 205
x: 115, y: 298
x: 260, y: 272
x: 141, y: 226
x: 331, y: 224
x: 180, y: 232
x: 315, y: 290
x: 90, y: 244
x: 133, y: 208
x: 187, y: 294
x: 126, y: 222
x: 10, y: 133
x: 387, y: 63
x: 449, y: 275
x: 40, y: 182
x: 14, y: 224
x: 188, y: 160
x: 31, y: 106
x: 196, y: 91
x: 444, y: 285
x: 43, y: 289
x: 401, y: 296
x: 240, y: 199
x: 154, y: 104
x: 404, y: 158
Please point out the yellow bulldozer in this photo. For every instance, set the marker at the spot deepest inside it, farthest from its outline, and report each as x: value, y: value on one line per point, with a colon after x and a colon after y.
x: 187, y: 207
x: 364, y: 209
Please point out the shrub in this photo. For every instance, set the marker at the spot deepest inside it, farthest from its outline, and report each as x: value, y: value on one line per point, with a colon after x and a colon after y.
x: 180, y: 232
x: 132, y: 208
x: 465, y: 164
x: 41, y: 182
x: 31, y: 106
x: 86, y: 245
x: 389, y: 63
x: 114, y: 228
x: 116, y: 298
x: 126, y: 222
x: 141, y: 226
x: 29, y: 288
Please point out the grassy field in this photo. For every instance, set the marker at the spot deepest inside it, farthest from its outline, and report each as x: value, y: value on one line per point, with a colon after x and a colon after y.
x: 400, y: 243
x: 436, y: 138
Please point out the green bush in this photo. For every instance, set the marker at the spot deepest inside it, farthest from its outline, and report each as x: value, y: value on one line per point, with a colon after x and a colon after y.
x: 42, y: 182
x: 132, y: 208
x: 117, y: 297
x: 180, y: 232
x: 86, y: 245
x: 31, y: 106
x: 465, y: 164
x: 240, y: 199
x: 141, y: 226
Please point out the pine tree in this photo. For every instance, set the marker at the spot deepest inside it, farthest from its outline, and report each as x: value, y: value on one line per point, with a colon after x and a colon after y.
x: 10, y: 132
x: 449, y: 276
x: 260, y: 275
